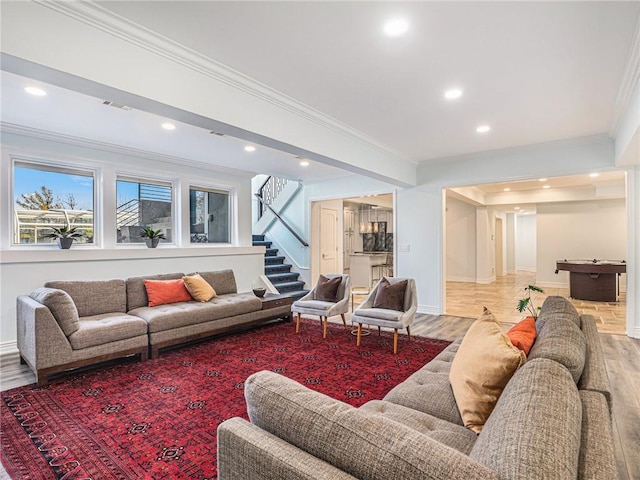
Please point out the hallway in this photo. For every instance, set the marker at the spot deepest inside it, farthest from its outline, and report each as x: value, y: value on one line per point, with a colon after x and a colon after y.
x: 502, y: 296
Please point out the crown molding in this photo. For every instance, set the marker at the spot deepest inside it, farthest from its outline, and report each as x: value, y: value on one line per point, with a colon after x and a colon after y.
x: 100, y: 18
x: 168, y: 160
x: 630, y: 79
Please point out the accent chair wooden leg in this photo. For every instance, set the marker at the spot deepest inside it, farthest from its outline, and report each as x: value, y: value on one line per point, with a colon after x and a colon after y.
x: 395, y: 340
x: 359, y: 334
x: 408, y: 334
x: 379, y: 332
x: 298, y: 322
x: 344, y: 321
x: 324, y: 326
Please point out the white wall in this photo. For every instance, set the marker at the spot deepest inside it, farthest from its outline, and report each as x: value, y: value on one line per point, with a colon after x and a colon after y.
x: 526, y: 245
x: 460, y: 241
x: 24, y: 268
x: 579, y: 230
x: 511, y: 243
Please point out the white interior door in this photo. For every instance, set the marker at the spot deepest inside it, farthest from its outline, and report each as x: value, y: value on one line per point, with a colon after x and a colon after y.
x: 328, y: 240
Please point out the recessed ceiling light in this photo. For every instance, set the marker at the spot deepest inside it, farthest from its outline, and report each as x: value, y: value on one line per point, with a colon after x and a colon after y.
x: 396, y: 27
x: 38, y: 92
x: 542, y: 179
x: 249, y: 148
x: 453, y: 94
x: 507, y: 189
x: 168, y: 126
x: 304, y: 163
x: 483, y: 129
x: 546, y: 186
x: 516, y: 208
x: 594, y: 175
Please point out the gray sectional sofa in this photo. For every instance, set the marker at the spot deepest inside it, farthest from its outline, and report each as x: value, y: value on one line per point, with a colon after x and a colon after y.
x: 70, y: 324
x: 552, y: 421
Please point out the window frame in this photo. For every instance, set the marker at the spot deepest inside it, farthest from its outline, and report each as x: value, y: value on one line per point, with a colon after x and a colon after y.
x: 55, y: 166
x: 233, y: 223
x: 142, y: 178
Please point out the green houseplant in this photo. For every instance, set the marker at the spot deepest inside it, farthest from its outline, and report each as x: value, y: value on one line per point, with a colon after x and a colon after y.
x: 526, y: 303
x: 65, y: 236
x: 151, y: 237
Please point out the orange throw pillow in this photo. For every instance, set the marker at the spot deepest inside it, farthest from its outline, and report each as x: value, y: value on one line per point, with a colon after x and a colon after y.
x: 166, y: 291
x: 523, y: 334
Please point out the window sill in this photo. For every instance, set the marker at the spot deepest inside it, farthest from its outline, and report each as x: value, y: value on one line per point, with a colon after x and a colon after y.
x: 96, y: 254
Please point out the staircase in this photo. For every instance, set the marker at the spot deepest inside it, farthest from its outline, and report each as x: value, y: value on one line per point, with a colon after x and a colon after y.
x: 278, y: 272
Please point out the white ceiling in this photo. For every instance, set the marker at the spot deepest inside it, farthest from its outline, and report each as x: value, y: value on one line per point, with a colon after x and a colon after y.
x: 534, y: 71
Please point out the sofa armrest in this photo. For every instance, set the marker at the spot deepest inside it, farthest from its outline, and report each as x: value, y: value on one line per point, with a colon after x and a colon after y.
x: 246, y: 452
x: 597, y: 459
x: 362, y: 444
x: 41, y: 342
x: 594, y: 375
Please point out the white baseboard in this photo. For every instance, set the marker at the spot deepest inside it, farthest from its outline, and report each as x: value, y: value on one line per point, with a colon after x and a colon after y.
x: 486, y: 281
x: 429, y: 309
x: 461, y: 279
x: 8, y: 348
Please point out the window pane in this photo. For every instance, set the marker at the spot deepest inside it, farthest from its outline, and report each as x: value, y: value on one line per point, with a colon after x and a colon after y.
x: 48, y: 197
x: 209, y: 215
x: 141, y: 205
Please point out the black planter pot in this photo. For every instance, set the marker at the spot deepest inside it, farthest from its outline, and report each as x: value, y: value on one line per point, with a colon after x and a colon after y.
x: 152, y: 242
x: 65, y: 242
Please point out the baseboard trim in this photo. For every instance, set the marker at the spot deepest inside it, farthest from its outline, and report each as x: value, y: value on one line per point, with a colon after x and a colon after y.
x: 462, y: 279
x: 8, y: 348
x: 429, y: 309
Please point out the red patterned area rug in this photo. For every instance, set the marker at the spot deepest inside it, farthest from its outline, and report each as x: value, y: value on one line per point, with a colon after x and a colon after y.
x: 157, y: 419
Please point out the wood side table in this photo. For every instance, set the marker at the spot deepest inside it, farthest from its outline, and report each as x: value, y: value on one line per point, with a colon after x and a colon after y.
x: 279, y: 303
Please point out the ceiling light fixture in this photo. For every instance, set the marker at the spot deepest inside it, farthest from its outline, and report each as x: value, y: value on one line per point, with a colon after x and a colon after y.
x: 483, y: 129
x: 249, y: 148
x: 507, y: 189
x: 594, y: 175
x: 453, y: 94
x: 304, y: 163
x: 38, y: 92
x: 542, y: 179
x: 516, y: 208
x: 396, y: 27
x: 168, y: 126
x: 546, y: 186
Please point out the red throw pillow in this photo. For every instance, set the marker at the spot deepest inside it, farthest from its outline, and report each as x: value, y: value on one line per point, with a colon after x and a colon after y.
x: 166, y: 291
x: 523, y: 334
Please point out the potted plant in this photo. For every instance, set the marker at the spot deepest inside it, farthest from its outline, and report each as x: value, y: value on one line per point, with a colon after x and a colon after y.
x: 65, y: 236
x: 527, y: 304
x: 151, y: 237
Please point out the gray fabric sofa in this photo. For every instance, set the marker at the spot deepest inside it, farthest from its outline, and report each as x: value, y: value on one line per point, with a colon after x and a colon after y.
x: 70, y: 324
x: 552, y: 421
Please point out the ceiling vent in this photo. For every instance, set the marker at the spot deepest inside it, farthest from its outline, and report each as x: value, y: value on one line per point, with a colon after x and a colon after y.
x: 217, y: 133
x: 116, y: 105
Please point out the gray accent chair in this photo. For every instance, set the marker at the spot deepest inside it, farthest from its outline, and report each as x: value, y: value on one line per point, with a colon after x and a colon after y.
x: 381, y: 317
x: 307, y: 305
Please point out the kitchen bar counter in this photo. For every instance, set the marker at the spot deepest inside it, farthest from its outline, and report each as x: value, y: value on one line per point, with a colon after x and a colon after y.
x: 360, y: 264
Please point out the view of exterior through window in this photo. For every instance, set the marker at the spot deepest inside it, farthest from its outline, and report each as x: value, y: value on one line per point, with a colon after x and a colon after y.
x: 141, y: 205
x: 209, y: 216
x: 46, y: 197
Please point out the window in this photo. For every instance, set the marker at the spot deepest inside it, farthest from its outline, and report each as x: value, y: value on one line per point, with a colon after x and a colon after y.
x: 209, y: 215
x: 48, y: 196
x: 143, y: 204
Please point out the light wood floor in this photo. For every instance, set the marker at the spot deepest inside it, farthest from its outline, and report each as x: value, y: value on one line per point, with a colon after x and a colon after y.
x: 622, y: 356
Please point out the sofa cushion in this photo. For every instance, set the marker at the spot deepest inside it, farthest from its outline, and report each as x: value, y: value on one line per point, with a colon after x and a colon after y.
x: 199, y: 289
x: 222, y: 281
x: 534, y: 430
x: 364, y: 445
x: 484, y: 363
x: 137, y: 292
x: 390, y: 296
x: 523, y: 334
x: 161, y: 292
x: 106, y: 328
x: 175, y: 315
x: 61, y: 306
x: 327, y: 289
x: 561, y: 340
x: 447, y: 433
x: 557, y: 307
x: 428, y: 392
x: 96, y: 296
x: 597, y: 459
